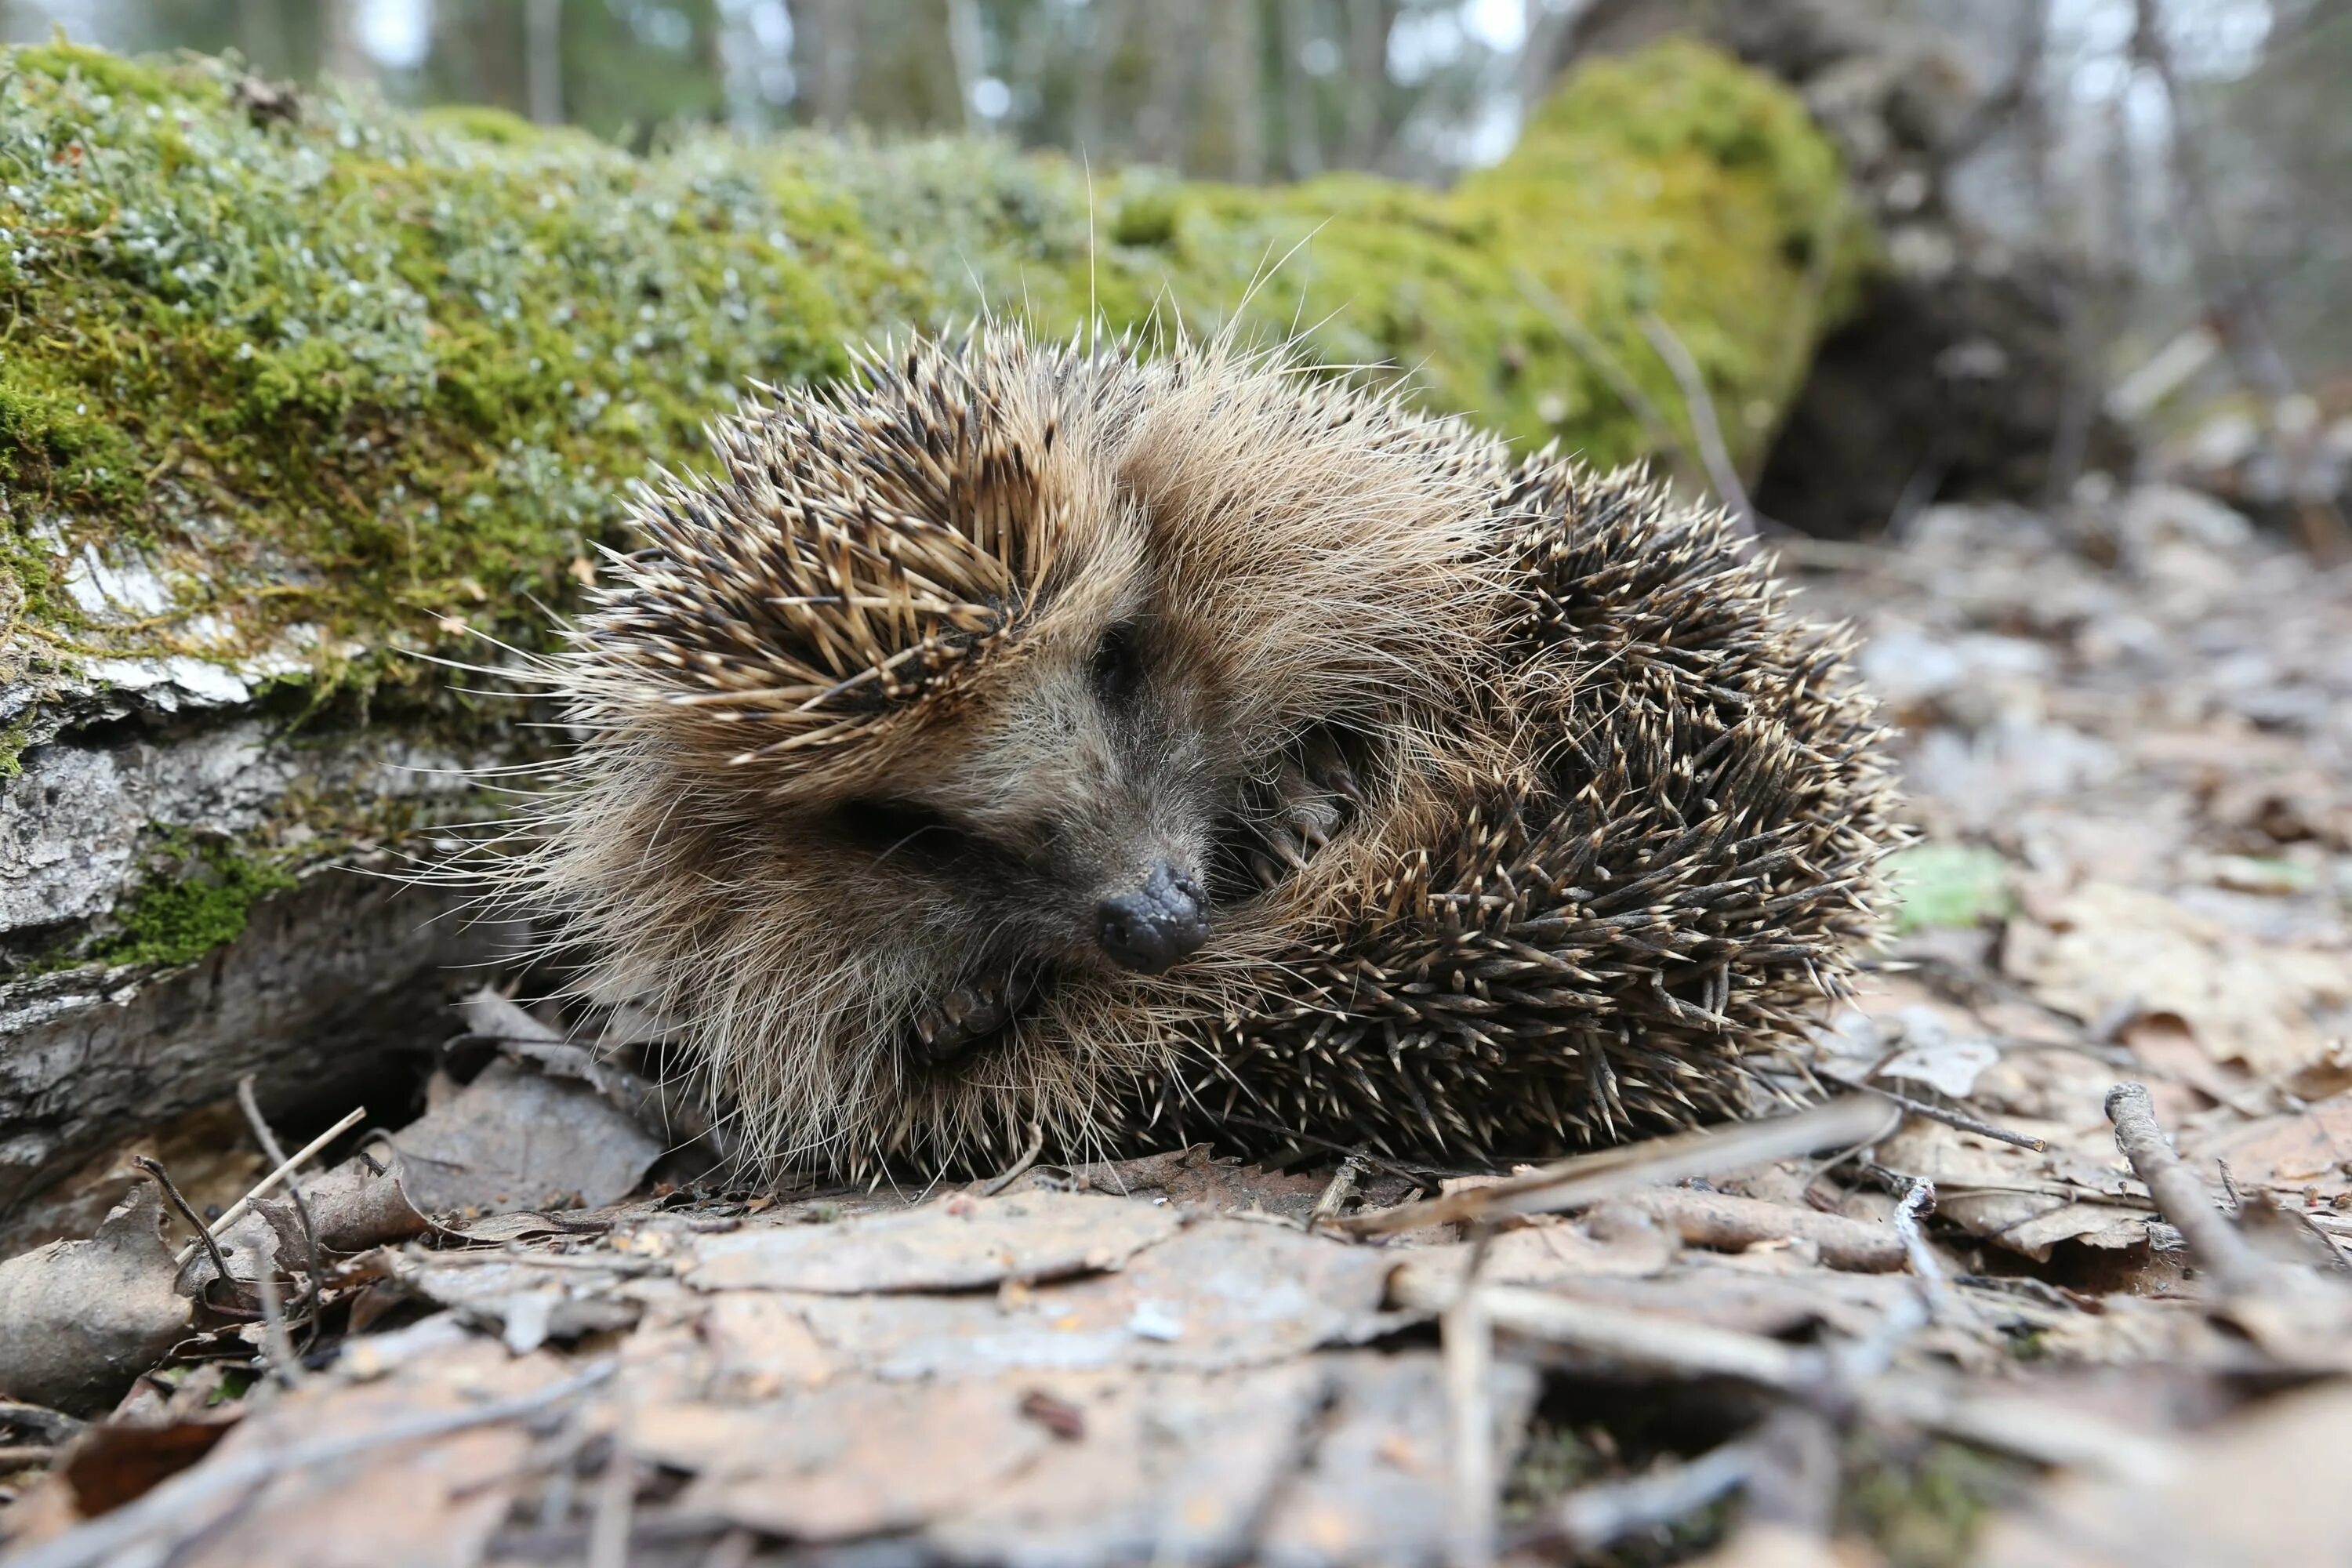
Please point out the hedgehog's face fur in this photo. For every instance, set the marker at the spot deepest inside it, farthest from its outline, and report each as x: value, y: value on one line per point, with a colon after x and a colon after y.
x: 921, y: 737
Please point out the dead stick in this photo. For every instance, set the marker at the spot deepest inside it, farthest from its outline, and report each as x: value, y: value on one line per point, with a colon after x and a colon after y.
x: 171, y: 1190
x: 2182, y: 1196
x: 1658, y: 1161
x: 1720, y: 471
x: 1466, y: 1343
x: 1028, y: 1158
x: 1617, y: 1334
x: 111, y: 1534
x: 275, y: 1156
x: 1920, y: 1199
x: 1593, y: 1517
x: 1336, y: 1193
x: 277, y: 1344
x: 1965, y: 1122
x: 268, y: 1183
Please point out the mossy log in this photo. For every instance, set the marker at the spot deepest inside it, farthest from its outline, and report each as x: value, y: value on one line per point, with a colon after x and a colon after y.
x: 285, y: 401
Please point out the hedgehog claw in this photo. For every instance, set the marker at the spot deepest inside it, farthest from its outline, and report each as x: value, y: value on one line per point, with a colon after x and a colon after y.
x: 965, y: 1014
x: 1326, y: 764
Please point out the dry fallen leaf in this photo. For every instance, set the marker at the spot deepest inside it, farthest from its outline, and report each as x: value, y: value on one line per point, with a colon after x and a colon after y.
x: 954, y: 1243
x: 2264, y: 1487
x: 847, y: 1459
x: 1220, y: 1293
x: 84, y: 1317
x: 2112, y: 948
x: 2305, y: 1150
x: 1378, y: 1486
x: 515, y: 1140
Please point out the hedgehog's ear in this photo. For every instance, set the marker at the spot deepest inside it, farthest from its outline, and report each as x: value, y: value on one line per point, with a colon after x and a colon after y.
x: 857, y: 556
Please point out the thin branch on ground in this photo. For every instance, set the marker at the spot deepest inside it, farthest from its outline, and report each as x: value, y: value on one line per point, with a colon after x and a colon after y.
x: 1917, y: 1202
x: 996, y: 1185
x: 1660, y: 1162
x: 1466, y: 1342
x: 1341, y: 1187
x: 1722, y: 473
x: 1961, y: 1120
x: 268, y: 1183
x: 211, y: 1243
x: 2181, y: 1197
x: 275, y: 1156
x: 1594, y: 1518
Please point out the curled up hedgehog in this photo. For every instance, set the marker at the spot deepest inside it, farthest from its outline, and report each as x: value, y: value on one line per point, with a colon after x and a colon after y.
x: 1022, y: 738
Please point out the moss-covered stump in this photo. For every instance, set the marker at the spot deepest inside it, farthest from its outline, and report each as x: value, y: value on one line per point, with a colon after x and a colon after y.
x: 284, y: 404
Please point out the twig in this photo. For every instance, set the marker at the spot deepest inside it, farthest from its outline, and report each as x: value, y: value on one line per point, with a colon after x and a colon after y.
x: 1660, y: 1162
x: 171, y: 1190
x: 2057, y: 1432
x: 276, y: 1156
x: 1028, y: 1158
x: 615, y: 1509
x: 110, y: 1533
x: 1341, y: 1187
x: 1466, y: 1342
x: 1730, y: 1222
x: 1592, y: 1518
x: 268, y: 1183
x: 1920, y: 1200
x: 1720, y: 471
x: 1594, y: 352
x: 276, y: 1342
x: 1617, y: 1334
x: 2180, y: 1195
x: 1965, y: 1122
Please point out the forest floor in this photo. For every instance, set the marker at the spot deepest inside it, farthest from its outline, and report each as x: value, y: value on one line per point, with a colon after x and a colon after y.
x: 1985, y: 1332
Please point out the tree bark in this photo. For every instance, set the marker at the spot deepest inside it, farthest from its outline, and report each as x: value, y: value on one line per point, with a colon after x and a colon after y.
x: 1302, y: 117
x: 1369, y: 25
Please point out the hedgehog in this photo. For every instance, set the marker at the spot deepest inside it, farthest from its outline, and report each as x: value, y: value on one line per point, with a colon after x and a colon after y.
x: 1020, y: 743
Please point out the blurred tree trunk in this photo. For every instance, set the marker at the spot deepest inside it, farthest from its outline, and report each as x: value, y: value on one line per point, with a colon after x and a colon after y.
x: 966, y: 48
x: 1235, y: 113
x: 339, y: 52
x: 1109, y: 19
x: 1302, y: 119
x: 1170, y: 40
x: 478, y: 53
x: 261, y: 37
x: 1369, y: 25
x: 543, y: 60
x: 827, y: 42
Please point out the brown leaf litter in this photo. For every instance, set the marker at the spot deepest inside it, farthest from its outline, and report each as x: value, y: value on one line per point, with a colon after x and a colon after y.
x: 1976, y: 1310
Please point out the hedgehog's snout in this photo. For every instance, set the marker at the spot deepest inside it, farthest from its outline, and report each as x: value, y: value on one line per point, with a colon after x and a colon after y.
x: 1155, y: 925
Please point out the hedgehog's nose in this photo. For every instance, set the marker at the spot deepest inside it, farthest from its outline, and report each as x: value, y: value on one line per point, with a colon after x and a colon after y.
x: 1157, y: 924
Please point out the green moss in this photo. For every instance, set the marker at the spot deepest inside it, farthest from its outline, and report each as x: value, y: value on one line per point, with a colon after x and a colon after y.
x: 112, y: 74
x: 373, y: 372
x: 196, y: 898
x: 13, y: 742
x: 1923, y: 1509
x: 1948, y: 885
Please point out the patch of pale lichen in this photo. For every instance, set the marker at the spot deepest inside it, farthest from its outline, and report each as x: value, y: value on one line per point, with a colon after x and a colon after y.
x: 360, y: 374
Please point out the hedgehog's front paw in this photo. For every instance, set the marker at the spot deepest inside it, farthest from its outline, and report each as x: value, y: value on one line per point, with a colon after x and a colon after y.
x: 950, y: 1024
x: 1313, y: 794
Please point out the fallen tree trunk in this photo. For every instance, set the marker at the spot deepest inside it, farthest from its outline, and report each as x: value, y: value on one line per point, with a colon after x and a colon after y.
x: 285, y: 403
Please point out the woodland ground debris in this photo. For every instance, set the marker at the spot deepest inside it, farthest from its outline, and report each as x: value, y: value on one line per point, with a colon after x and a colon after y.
x: 2078, y: 1390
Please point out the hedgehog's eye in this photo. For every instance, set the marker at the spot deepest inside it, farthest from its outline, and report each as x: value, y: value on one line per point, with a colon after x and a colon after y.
x: 888, y: 827
x: 1116, y: 668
